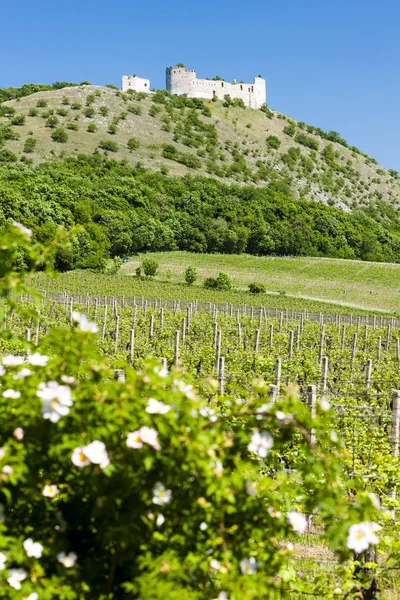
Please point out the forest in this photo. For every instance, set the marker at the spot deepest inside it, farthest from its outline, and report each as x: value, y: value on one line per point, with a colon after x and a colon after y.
x: 121, y: 210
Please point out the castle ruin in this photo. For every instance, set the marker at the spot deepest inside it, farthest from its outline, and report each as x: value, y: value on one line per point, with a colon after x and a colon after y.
x: 182, y: 82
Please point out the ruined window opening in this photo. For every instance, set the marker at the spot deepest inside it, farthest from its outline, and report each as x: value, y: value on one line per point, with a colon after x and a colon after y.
x: 222, y: 84
x: 214, y: 93
x: 241, y: 88
x: 252, y: 88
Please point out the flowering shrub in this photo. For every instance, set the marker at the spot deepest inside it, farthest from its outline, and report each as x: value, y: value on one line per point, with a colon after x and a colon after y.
x: 151, y: 489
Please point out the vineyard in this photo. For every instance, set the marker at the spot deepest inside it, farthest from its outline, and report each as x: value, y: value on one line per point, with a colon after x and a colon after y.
x: 348, y: 364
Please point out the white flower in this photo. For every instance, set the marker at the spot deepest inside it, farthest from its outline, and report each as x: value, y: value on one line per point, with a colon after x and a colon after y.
x: 50, y: 491
x: 221, y: 596
x: 97, y: 454
x: 22, y: 229
x: 2, y: 370
x: 12, y: 361
x: 374, y: 500
x: 12, y: 394
x: 19, y: 433
x: 7, y: 470
x: 68, y: 560
x: 160, y: 520
x: 261, y: 443
x: 251, y: 487
x: 3, y: 559
x: 2, y: 453
x: 185, y: 389
x: 144, y: 435
x: 33, y: 549
x: 324, y: 404
x: 161, y: 495
x: 215, y: 564
x: 149, y: 436
x: 219, y: 468
x: 290, y: 546
x: 297, y: 521
x: 154, y: 407
x: 161, y: 371
x: 284, y: 418
x: 264, y: 408
x: 38, y: 360
x: 203, y: 526
x: 56, y: 400
x: 361, y: 535
x: 83, y: 323
x: 25, y: 372
x: 33, y: 596
x: 210, y: 413
x: 68, y: 380
x: 15, y: 576
x: 275, y: 514
x: 334, y: 437
x: 248, y: 566
x: 134, y: 440
x: 79, y: 458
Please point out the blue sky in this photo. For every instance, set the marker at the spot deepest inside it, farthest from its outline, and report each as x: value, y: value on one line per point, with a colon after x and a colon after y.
x: 334, y: 65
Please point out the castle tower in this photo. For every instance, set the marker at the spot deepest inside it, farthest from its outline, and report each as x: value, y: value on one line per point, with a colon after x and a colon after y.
x: 137, y: 84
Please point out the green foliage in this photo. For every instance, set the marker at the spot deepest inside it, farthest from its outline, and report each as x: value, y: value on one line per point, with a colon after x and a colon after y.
x: 307, y: 141
x: 265, y: 109
x: 109, y: 145
x: 290, y: 129
x: 90, y: 99
x: 33, y: 112
x: 60, y: 135
x: 185, y: 158
x: 89, y: 112
x: 222, y: 282
x: 6, y: 156
x: 52, y: 122
x: 62, y: 112
x: 41, y: 103
x: 112, y: 129
x: 72, y: 126
x: 393, y: 173
x: 273, y: 142
x: 133, y: 144
x: 114, y: 265
x: 7, y: 133
x: 103, y: 110
x: 91, y: 128
x: 6, y: 111
x: 190, y: 275
x: 76, y: 106
x: 149, y: 266
x: 18, y: 120
x: 30, y: 145
x: 256, y: 288
x: 134, y: 109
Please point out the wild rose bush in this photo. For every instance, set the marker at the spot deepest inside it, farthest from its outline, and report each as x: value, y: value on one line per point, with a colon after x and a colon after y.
x: 151, y: 489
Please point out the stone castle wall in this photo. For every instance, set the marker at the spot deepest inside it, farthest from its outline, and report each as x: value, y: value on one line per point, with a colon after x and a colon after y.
x: 181, y: 81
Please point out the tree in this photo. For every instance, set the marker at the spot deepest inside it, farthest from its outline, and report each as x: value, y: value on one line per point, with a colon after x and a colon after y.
x: 190, y: 275
x: 256, y: 288
x: 149, y: 267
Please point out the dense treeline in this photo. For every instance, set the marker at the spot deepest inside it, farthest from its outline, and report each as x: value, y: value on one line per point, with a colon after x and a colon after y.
x: 11, y: 93
x: 123, y: 210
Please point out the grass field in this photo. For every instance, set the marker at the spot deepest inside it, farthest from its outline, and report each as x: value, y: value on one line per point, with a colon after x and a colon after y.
x: 370, y: 286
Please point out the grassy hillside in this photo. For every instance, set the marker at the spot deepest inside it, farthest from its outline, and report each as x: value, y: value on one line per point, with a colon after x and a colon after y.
x: 178, y: 136
x: 367, y: 285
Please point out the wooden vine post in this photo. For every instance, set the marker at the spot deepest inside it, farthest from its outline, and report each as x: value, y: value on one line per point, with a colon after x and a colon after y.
x: 395, y: 436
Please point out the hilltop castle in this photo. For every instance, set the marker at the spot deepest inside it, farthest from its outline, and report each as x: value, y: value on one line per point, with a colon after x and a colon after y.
x: 182, y: 82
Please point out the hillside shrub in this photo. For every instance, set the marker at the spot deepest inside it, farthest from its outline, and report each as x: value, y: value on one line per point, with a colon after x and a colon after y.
x: 33, y: 112
x: 18, y: 120
x: 104, y: 110
x: 62, y: 112
x: 91, y: 128
x: 222, y: 282
x: 6, y: 156
x: 133, y: 144
x: 60, y: 135
x: 89, y: 112
x: 109, y: 145
x: 273, y: 142
x: 6, y: 111
x: 41, y: 103
x: 30, y: 145
x: 72, y: 126
x: 256, y: 288
x: 52, y: 122
x: 306, y: 140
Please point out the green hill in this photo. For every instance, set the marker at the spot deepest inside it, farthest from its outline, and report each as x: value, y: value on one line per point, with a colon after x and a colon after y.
x: 179, y: 136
